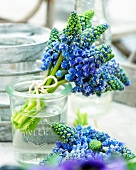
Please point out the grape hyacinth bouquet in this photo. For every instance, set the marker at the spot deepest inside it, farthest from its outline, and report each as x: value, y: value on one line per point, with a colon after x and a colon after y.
x: 85, y: 143
x: 71, y: 56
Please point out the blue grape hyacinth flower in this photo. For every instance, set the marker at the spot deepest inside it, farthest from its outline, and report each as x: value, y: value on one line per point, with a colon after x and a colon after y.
x: 86, y: 143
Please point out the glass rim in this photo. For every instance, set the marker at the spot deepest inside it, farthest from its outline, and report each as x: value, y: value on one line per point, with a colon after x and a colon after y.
x: 10, y: 89
x: 30, y: 25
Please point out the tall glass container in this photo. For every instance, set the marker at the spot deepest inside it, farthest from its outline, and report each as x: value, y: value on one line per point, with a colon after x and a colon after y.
x: 94, y: 106
x: 31, y: 145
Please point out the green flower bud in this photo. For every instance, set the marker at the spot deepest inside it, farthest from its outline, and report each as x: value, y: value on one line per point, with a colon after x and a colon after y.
x: 95, y: 145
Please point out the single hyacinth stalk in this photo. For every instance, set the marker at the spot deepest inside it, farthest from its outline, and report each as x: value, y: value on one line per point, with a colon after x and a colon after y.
x: 54, y: 35
x: 73, y: 26
x: 64, y: 132
x: 90, y: 35
x: 85, y: 19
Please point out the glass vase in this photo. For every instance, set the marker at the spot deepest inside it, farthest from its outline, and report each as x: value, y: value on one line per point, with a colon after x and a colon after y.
x: 95, y: 107
x: 30, y: 147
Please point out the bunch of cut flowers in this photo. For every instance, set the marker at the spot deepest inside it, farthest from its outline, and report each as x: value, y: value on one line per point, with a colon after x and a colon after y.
x: 72, y: 56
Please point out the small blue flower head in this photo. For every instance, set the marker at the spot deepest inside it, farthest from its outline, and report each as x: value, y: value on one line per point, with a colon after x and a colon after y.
x: 79, y: 128
x: 65, y: 65
x: 60, y: 73
x: 69, y: 77
x: 55, y: 55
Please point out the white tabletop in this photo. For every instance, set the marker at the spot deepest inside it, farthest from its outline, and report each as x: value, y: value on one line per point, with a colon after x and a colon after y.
x: 119, y: 122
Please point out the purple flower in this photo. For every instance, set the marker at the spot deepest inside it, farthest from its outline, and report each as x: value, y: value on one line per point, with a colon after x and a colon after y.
x: 117, y: 164
x: 114, y: 164
x: 92, y: 165
x: 70, y: 165
x: 83, y: 165
x: 41, y: 168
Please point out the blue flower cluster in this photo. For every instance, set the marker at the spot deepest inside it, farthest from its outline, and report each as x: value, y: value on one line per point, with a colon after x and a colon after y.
x: 87, y: 143
x: 92, y: 68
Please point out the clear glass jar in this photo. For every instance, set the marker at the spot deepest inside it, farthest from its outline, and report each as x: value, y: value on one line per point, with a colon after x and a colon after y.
x: 31, y: 147
x: 93, y: 105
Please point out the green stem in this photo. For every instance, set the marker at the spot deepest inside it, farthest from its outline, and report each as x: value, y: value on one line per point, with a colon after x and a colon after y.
x: 24, y: 109
x: 48, y: 71
x: 30, y: 125
x: 55, y: 69
x: 17, y: 115
x: 30, y: 111
x: 51, y: 90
